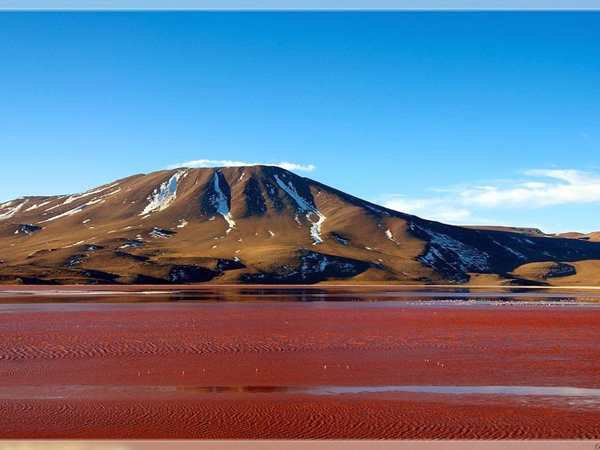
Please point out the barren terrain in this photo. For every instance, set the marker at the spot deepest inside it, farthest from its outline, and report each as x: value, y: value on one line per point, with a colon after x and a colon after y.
x: 265, y: 225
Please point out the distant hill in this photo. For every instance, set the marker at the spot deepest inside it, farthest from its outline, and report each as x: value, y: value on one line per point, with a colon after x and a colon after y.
x: 528, y: 231
x: 263, y: 225
x: 594, y: 236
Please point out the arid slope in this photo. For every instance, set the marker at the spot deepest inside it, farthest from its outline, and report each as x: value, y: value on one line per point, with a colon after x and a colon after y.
x: 259, y: 224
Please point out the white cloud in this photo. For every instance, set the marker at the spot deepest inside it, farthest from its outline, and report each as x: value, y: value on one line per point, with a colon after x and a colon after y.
x: 292, y: 166
x: 539, y: 188
x: 228, y: 163
x: 433, y: 209
x: 563, y: 186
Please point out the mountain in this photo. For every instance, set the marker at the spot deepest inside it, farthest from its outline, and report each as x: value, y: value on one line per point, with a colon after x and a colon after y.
x: 262, y: 224
x: 593, y: 236
x: 527, y: 231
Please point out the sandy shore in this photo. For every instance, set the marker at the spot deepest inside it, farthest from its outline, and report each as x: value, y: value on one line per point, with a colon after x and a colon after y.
x: 225, y: 370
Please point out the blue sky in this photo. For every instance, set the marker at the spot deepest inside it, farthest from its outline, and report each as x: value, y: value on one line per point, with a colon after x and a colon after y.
x: 464, y: 117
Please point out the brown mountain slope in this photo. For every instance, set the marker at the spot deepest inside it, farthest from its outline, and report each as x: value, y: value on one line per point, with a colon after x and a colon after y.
x: 593, y: 236
x: 256, y: 224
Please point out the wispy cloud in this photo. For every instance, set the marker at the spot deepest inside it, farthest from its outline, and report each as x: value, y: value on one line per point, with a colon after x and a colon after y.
x: 430, y: 208
x: 537, y: 188
x: 229, y: 163
x: 559, y: 187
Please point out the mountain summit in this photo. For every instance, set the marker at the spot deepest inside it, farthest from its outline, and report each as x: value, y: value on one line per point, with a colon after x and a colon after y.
x: 261, y: 224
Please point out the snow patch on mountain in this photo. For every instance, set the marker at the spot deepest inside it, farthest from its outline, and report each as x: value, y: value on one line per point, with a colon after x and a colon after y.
x: 219, y: 201
x: 133, y: 243
x: 11, y: 212
x: 388, y: 234
x: 448, y: 251
x: 316, y: 264
x: 160, y: 233
x: 315, y: 229
x: 163, y: 195
x: 464, y: 258
x: 75, y: 210
x: 36, y: 206
x: 304, y: 205
x: 374, y: 209
x: 73, y: 245
x: 74, y: 197
x: 28, y: 229
x: 52, y: 208
x: 113, y: 193
x: 510, y: 250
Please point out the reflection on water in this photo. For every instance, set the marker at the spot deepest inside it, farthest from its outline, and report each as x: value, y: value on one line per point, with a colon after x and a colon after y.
x: 240, y: 389
x: 571, y: 395
x: 350, y: 294
x: 382, y: 297
x: 546, y: 391
x: 550, y: 391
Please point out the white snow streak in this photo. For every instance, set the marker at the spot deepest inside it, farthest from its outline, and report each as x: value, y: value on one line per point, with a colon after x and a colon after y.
x: 159, y: 233
x: 164, y: 195
x: 75, y: 210
x: 315, y: 229
x: 53, y: 207
x: 73, y: 245
x: 388, y: 233
x: 220, y: 202
x: 74, y: 197
x: 467, y: 257
x: 13, y: 211
x: 514, y: 252
x: 32, y: 207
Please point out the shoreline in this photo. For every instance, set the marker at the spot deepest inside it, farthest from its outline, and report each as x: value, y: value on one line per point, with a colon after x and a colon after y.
x: 199, y: 287
x: 27, y: 294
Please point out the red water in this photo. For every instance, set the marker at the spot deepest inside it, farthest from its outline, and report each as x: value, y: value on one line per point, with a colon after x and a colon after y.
x: 228, y: 370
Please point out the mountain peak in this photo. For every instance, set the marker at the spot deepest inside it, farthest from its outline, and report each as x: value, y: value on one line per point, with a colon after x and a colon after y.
x: 255, y: 224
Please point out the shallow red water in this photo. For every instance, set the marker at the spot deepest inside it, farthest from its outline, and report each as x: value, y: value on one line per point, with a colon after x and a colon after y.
x: 233, y: 370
